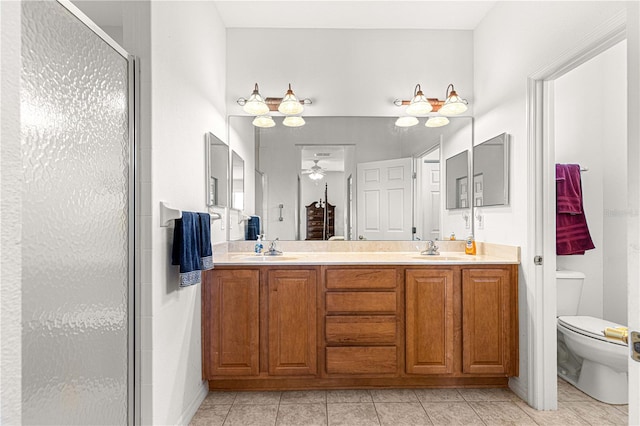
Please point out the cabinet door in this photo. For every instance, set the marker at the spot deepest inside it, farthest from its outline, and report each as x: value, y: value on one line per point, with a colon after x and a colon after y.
x: 429, y: 321
x: 231, y: 323
x: 292, y: 322
x: 487, y: 318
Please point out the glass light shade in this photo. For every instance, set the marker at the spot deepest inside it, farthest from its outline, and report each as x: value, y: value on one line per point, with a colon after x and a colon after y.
x: 316, y: 176
x: 290, y: 105
x: 293, y: 121
x: 406, y: 121
x: 437, y: 122
x: 454, y: 105
x: 255, y: 105
x: 263, y: 121
x: 419, y: 105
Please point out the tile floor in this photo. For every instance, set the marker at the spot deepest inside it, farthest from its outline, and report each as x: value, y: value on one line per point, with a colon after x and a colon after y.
x: 402, y: 407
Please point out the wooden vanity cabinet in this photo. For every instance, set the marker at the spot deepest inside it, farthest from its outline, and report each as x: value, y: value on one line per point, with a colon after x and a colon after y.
x: 361, y: 321
x: 259, y: 322
x: 292, y: 322
x: 347, y: 326
x: 429, y: 311
x: 230, y: 323
x: 462, y: 321
x: 490, y: 321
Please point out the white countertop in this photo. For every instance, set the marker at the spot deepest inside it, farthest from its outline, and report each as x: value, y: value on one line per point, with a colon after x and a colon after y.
x: 359, y: 258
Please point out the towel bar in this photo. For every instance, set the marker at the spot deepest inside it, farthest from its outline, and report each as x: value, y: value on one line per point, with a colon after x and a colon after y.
x: 167, y: 214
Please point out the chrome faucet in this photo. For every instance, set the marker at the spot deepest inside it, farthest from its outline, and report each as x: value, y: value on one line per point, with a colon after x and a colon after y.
x: 431, y: 249
x: 273, y: 250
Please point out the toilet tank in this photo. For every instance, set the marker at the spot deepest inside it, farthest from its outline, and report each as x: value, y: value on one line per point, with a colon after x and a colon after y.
x: 568, y: 291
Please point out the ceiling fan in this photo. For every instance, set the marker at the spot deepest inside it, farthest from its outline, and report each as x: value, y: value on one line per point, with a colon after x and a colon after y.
x: 315, y: 172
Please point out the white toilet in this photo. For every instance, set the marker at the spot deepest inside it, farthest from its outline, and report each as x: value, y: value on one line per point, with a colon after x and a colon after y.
x: 588, y: 360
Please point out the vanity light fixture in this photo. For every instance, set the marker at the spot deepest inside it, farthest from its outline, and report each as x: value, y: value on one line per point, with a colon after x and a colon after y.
x: 419, y: 103
x: 454, y: 104
x: 264, y: 121
x: 255, y: 105
x: 293, y: 121
x: 437, y: 121
x: 289, y: 105
x: 421, y: 106
x: 406, y: 121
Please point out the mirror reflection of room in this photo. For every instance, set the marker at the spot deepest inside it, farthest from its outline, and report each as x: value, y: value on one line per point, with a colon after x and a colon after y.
x: 284, y: 162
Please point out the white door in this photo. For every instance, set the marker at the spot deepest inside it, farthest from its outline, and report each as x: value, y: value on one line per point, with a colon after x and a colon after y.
x: 384, y: 200
x: 431, y: 200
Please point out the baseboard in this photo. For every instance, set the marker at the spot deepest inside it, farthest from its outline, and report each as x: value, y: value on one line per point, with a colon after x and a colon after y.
x: 519, y: 388
x: 191, y: 410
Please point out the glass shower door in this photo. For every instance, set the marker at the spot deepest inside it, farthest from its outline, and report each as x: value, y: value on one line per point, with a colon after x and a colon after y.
x: 76, y: 221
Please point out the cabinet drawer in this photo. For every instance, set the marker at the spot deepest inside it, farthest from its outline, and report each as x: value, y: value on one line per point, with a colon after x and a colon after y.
x: 361, y: 278
x: 362, y: 360
x: 378, y: 329
x: 364, y: 301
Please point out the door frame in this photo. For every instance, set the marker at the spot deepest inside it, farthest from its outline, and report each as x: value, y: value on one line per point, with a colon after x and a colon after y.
x: 542, y: 346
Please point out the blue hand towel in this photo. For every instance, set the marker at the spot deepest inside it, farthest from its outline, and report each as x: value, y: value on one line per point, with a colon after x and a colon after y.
x: 186, y: 248
x: 206, y: 253
x: 253, y: 228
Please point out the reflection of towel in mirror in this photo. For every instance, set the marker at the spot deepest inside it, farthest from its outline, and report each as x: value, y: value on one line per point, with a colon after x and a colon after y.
x: 206, y: 252
x: 253, y: 228
x: 572, y: 233
x: 192, y: 247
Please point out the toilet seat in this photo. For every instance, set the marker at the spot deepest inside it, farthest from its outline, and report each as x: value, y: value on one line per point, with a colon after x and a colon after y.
x: 590, y: 327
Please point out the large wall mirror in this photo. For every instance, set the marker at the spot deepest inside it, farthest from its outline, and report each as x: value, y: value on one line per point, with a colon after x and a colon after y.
x: 382, y: 182
x: 491, y: 172
x: 217, y: 171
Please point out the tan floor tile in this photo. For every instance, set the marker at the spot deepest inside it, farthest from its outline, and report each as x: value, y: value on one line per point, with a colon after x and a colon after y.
x: 451, y: 413
x: 488, y: 394
x: 623, y: 408
x: 501, y: 413
x: 438, y: 395
x: 393, y: 395
x: 219, y: 397
x: 562, y: 416
x: 352, y: 414
x: 213, y: 415
x: 252, y: 415
x: 257, y: 397
x: 597, y: 413
x: 568, y: 392
x: 302, y: 414
x: 402, y: 414
x: 348, y: 395
x: 303, y: 397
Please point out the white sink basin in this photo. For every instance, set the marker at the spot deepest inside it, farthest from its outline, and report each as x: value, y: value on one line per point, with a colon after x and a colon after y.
x: 439, y: 258
x: 268, y: 258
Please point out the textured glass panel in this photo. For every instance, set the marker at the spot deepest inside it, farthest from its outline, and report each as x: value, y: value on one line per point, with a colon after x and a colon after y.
x: 75, y: 151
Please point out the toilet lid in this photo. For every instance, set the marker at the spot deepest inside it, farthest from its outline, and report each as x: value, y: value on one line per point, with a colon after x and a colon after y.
x: 590, y: 326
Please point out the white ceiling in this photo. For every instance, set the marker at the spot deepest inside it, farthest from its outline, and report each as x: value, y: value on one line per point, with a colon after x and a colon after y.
x: 358, y: 14
x: 337, y: 14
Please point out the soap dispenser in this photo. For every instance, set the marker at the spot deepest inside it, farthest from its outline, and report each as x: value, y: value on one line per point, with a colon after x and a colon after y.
x: 258, y: 247
x: 470, y: 245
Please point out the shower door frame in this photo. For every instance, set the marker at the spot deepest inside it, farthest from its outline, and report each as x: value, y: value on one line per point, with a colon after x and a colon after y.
x: 133, y: 367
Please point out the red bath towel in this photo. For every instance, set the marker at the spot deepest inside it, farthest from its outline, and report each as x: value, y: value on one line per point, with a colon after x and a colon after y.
x: 572, y: 233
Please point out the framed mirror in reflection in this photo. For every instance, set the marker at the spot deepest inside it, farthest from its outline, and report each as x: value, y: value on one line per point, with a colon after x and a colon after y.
x: 491, y: 172
x: 384, y: 181
x: 457, y: 184
x: 217, y: 171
